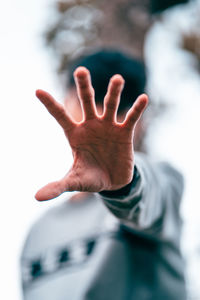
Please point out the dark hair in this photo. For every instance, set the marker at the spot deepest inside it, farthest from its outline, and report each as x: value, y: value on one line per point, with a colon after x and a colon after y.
x: 103, y: 65
x: 158, y: 6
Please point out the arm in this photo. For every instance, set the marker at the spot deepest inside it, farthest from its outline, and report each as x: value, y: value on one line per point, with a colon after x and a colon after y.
x: 150, y: 203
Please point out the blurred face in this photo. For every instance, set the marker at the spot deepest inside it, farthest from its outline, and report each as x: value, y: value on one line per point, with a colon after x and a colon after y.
x: 73, y: 107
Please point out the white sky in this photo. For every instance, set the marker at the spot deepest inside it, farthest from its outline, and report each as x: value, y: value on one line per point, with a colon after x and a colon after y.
x: 33, y: 147
x: 30, y: 139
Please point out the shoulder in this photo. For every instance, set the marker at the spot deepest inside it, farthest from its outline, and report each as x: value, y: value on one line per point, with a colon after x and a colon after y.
x: 55, y: 225
x: 42, y: 230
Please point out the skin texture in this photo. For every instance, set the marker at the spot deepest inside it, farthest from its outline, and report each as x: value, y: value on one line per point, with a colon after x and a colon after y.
x: 102, y: 147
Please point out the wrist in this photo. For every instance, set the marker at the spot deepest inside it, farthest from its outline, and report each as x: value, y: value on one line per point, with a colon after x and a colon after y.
x: 124, y: 191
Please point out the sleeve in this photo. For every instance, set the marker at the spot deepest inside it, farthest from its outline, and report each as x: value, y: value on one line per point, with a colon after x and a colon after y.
x: 150, y: 203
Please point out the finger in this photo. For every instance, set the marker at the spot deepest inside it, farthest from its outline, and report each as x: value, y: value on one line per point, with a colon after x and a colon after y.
x: 50, y: 191
x: 112, y: 98
x: 56, y: 188
x: 136, y: 111
x: 85, y: 92
x: 55, y: 109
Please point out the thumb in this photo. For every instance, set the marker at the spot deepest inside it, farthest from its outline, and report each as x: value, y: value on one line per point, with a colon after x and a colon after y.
x: 49, y: 191
x: 53, y: 190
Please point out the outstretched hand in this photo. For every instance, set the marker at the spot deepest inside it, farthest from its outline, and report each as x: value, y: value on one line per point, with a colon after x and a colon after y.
x: 102, y: 148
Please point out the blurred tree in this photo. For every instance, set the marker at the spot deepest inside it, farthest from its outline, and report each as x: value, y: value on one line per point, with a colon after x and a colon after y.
x: 191, y: 43
x: 84, y: 25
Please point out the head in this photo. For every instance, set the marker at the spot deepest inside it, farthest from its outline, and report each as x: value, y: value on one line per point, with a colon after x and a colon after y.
x: 158, y: 6
x: 102, y: 66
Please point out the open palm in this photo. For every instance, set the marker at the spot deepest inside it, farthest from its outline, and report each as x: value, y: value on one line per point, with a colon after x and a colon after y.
x: 102, y: 148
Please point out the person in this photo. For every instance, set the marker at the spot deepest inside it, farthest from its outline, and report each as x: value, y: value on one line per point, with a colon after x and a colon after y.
x: 157, y: 6
x: 118, y: 238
